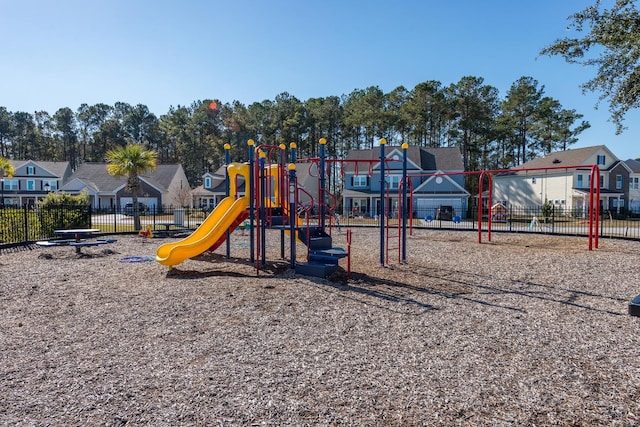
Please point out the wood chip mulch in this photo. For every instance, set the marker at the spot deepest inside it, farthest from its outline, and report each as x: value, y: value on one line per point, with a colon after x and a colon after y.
x: 526, y: 330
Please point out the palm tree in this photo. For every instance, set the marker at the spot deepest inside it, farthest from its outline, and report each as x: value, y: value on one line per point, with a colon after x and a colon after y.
x: 131, y: 160
x: 6, y: 171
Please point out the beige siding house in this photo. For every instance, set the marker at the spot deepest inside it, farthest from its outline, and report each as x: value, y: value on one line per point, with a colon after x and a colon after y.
x: 563, y: 179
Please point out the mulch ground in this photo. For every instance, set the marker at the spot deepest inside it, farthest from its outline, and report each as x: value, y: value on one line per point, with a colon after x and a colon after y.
x: 523, y: 330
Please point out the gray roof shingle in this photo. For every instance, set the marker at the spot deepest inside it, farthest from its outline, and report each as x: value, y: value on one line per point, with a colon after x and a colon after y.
x: 633, y: 164
x: 56, y: 168
x: 96, y: 174
x: 428, y: 159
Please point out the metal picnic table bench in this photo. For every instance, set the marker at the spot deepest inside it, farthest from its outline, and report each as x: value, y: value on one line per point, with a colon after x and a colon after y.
x: 79, y: 238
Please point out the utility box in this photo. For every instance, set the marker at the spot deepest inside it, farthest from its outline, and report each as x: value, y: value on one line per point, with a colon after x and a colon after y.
x: 178, y: 217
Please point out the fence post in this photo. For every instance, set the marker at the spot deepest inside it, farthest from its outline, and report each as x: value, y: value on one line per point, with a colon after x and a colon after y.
x: 25, y: 227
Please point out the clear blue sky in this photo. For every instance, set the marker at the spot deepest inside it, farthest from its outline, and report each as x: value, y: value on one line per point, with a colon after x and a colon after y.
x: 161, y: 53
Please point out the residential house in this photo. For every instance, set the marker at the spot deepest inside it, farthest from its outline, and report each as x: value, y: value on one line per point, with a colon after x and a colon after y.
x: 165, y: 186
x: 633, y: 167
x: 616, y: 193
x: 213, y: 190
x: 32, y: 181
x: 563, y: 178
x: 435, y: 174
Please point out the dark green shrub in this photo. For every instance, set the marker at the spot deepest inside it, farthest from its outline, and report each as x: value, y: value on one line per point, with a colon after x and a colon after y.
x: 64, y: 211
x: 547, y: 209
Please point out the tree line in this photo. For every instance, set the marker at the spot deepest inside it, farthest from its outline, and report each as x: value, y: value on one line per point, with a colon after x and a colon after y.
x: 491, y: 132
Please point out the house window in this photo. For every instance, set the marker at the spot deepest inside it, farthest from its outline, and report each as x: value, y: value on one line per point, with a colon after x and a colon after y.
x: 589, y: 181
x: 31, y: 170
x: 10, y: 184
x: 207, y: 182
x: 579, y: 181
x: 601, y: 159
x: 360, y: 181
x: 393, y: 181
x: 53, y: 184
x: 31, y: 185
x: 619, y: 182
x: 633, y: 183
x: 617, y: 203
x: 207, y: 202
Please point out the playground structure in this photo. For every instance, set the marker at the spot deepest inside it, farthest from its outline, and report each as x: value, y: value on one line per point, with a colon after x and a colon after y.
x: 272, y: 199
x: 499, y: 213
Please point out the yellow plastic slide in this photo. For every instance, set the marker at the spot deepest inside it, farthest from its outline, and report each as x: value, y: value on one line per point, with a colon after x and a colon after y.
x: 212, y: 229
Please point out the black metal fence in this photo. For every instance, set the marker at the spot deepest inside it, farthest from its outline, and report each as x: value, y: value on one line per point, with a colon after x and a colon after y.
x: 548, y: 220
x: 29, y: 223
x: 32, y: 223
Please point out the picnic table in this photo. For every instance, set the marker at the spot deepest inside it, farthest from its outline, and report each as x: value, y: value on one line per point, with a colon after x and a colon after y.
x: 79, y: 240
x: 168, y: 228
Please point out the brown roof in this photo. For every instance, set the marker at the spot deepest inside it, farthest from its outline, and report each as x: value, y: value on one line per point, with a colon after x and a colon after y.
x: 573, y: 157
